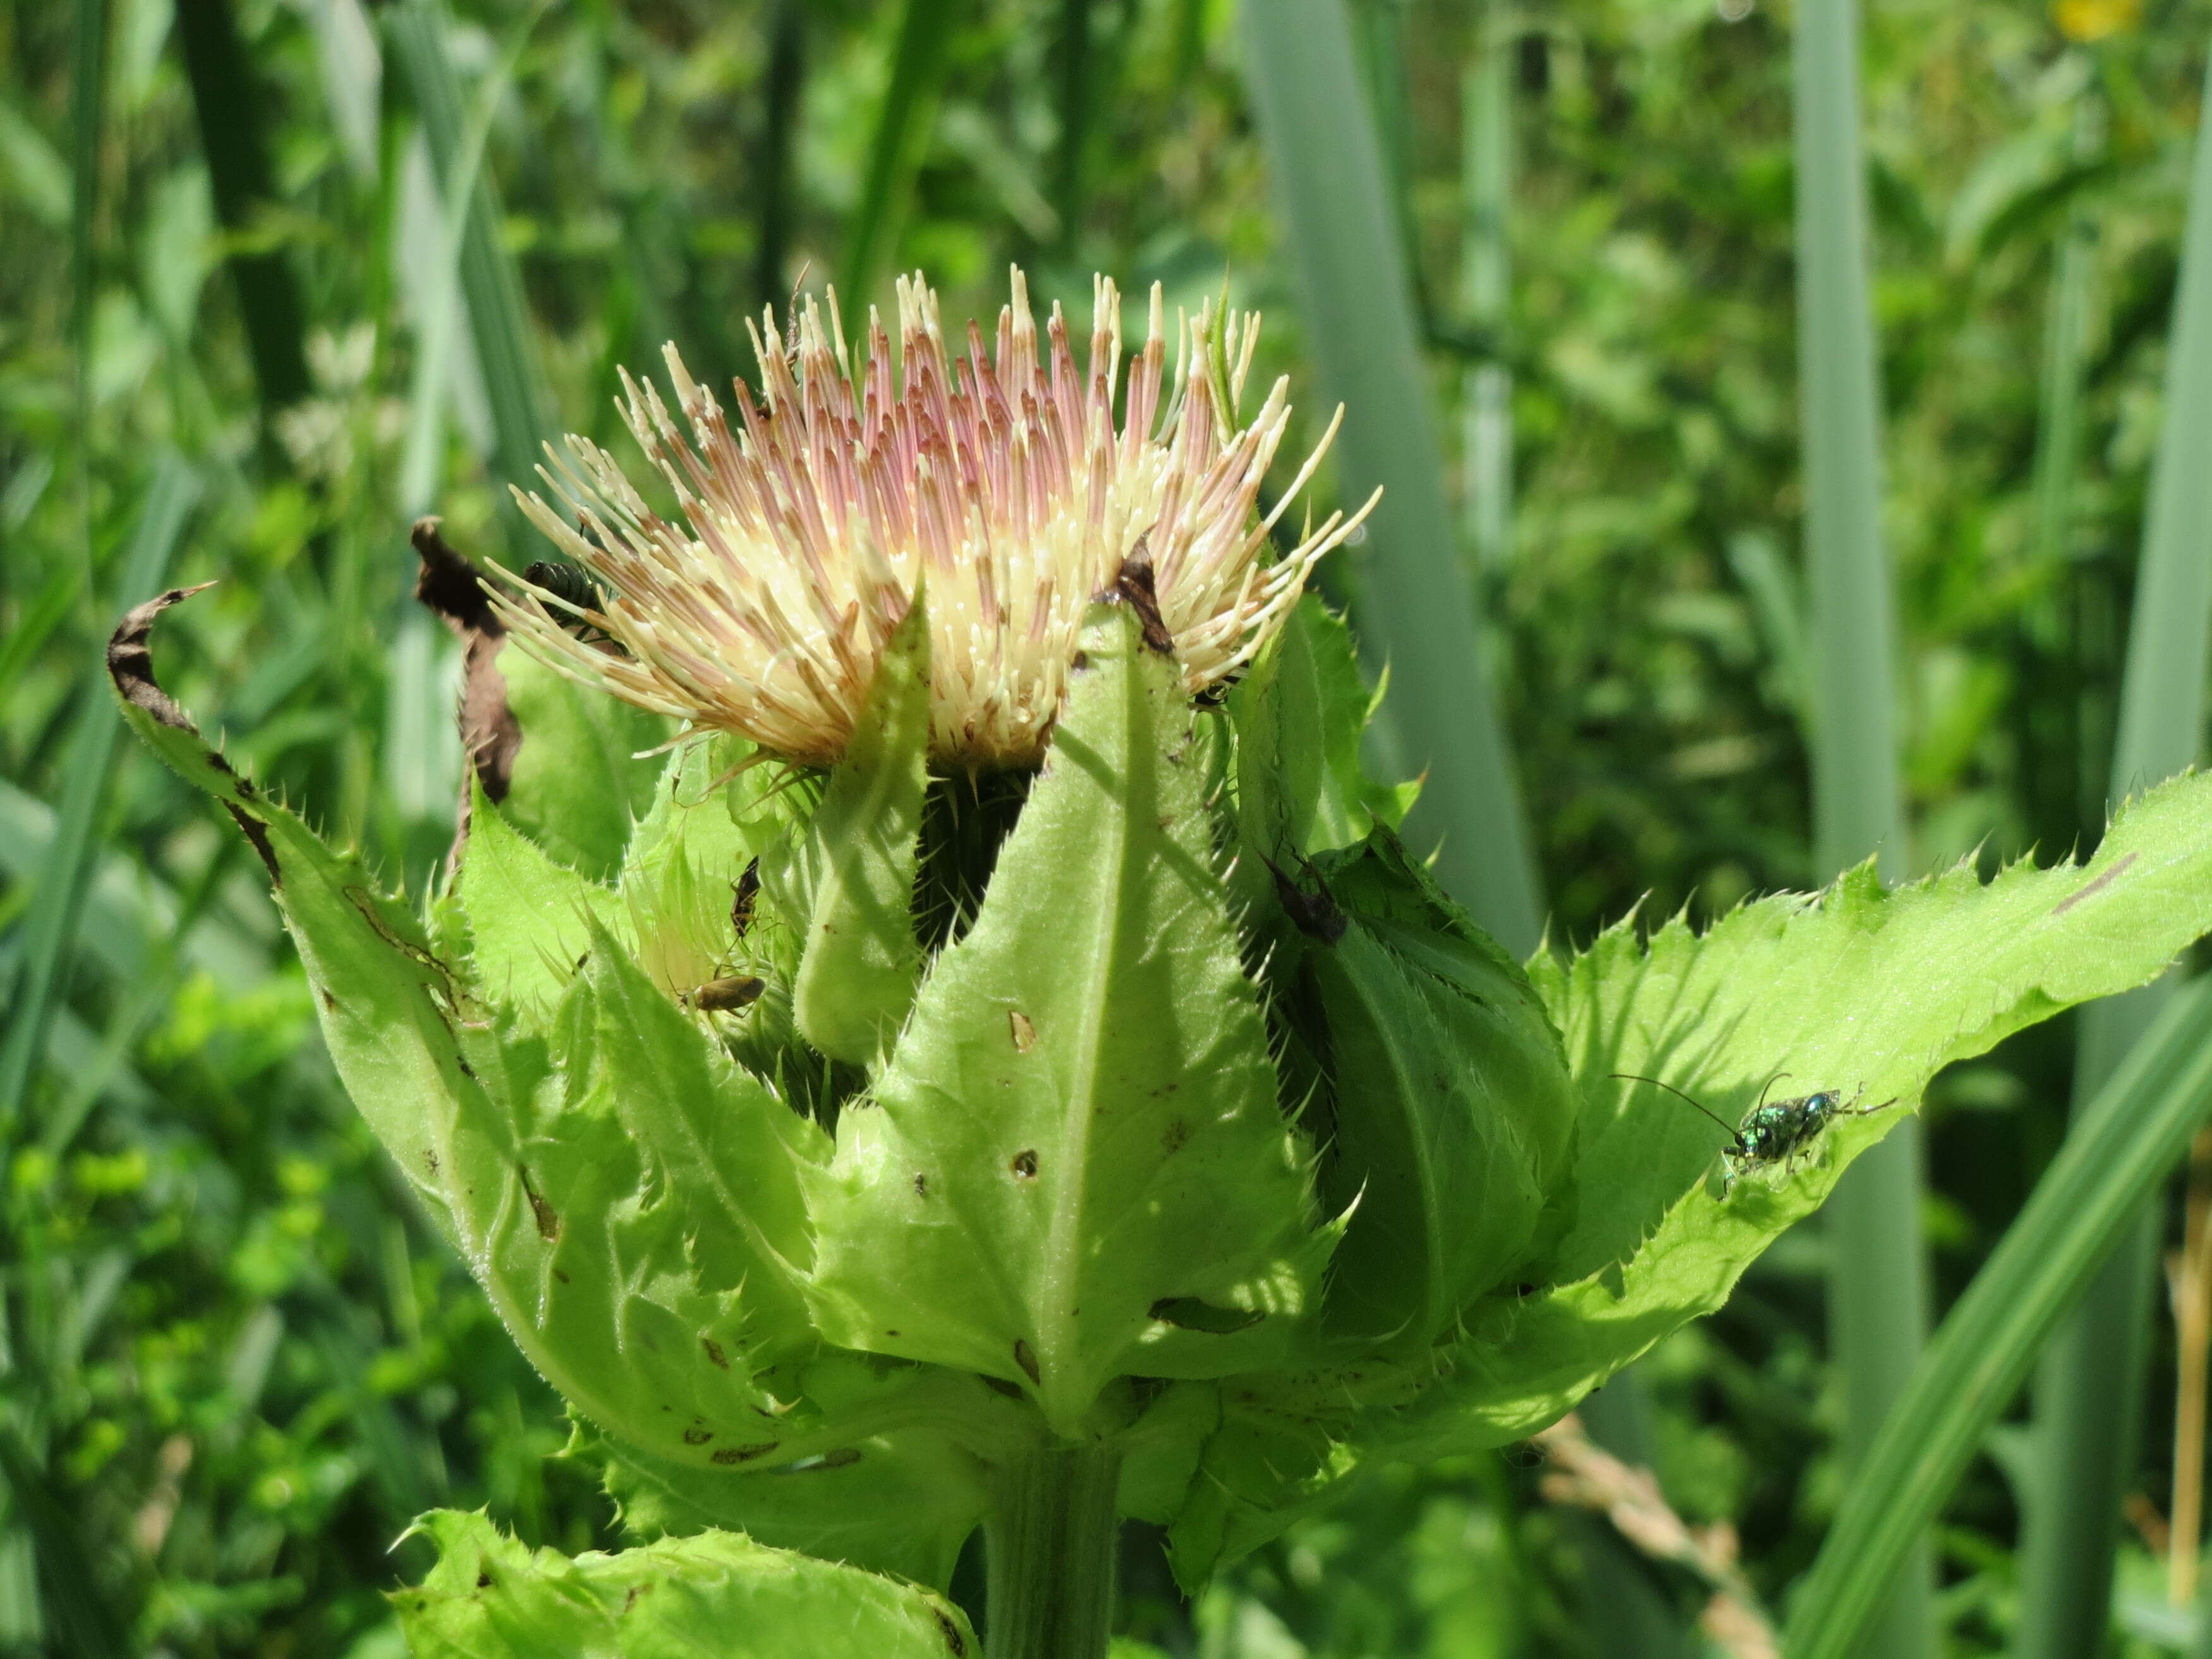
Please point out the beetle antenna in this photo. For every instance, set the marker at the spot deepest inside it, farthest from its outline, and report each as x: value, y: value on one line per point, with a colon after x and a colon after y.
x: 1734, y: 1134
x: 1770, y: 1082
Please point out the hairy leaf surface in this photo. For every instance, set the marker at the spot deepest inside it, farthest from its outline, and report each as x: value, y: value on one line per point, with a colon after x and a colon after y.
x: 576, y: 788
x: 492, y: 1597
x: 1861, y: 989
x: 860, y: 961
x: 1453, y: 1115
x: 1074, y: 1154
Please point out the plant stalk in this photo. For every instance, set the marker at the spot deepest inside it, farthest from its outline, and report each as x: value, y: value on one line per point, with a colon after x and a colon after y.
x: 2190, y: 1276
x: 1486, y: 279
x: 1878, y: 1297
x: 2088, y: 1397
x: 1415, y: 604
x: 1051, y: 1543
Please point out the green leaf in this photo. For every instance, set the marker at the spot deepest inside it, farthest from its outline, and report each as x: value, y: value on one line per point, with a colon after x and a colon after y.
x: 719, y: 1592
x: 2122, y: 1146
x: 900, y: 1503
x: 860, y: 961
x: 629, y: 1198
x: 1299, y: 715
x: 685, y: 866
x: 1078, y: 1131
x: 1453, y: 1113
x: 631, y: 1204
x: 1862, y: 989
x: 578, y: 782
x: 388, y: 1005
x: 528, y: 918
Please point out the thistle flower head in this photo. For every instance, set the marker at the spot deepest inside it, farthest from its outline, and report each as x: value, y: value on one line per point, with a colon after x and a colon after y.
x: 999, y: 485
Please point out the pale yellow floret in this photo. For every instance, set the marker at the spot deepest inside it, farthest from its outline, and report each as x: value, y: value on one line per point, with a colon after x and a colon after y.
x: 999, y: 482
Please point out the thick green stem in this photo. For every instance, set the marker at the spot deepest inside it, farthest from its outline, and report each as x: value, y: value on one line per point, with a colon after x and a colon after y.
x: 1051, y: 1541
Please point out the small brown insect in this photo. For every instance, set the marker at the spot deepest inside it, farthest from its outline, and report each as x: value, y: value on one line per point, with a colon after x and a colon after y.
x: 744, y: 894
x: 1315, y: 915
x: 1136, y: 587
x: 726, y: 996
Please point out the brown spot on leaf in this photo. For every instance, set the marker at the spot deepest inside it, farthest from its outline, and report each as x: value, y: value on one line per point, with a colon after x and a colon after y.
x: 743, y: 1454
x: 548, y: 1219
x: 130, y: 666
x: 1175, y: 1136
x: 695, y: 1435
x: 1023, y: 1030
x: 714, y: 1351
x: 1026, y: 1357
x: 330, y: 1001
x: 2094, y: 887
x: 1024, y: 1163
x: 920, y: 1185
x: 954, y: 1641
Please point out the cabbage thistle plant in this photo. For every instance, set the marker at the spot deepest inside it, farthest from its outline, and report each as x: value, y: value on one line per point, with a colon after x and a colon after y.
x: 928, y: 1029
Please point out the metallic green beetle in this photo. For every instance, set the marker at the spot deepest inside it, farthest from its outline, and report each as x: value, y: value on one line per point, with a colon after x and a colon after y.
x: 1775, y: 1133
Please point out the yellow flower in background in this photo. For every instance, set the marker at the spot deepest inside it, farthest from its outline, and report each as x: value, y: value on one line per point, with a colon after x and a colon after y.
x: 998, y: 484
x: 2093, y: 20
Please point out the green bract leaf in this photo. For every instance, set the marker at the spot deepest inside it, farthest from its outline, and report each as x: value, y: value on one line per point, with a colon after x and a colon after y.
x: 900, y: 1503
x: 388, y: 1004
x: 1074, y: 1154
x: 491, y: 1597
x: 1862, y: 990
x: 528, y: 918
x: 1453, y: 1113
x: 860, y: 962
x: 1298, y: 715
x: 627, y: 1197
x: 578, y: 782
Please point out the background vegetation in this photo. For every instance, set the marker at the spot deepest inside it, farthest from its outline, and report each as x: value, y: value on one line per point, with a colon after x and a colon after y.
x: 276, y: 275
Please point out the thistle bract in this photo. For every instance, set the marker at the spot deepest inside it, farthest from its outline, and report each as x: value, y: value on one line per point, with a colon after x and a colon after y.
x: 1148, y: 1106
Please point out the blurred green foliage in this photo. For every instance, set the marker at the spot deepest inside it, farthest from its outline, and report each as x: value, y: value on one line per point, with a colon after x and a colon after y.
x: 233, y: 1363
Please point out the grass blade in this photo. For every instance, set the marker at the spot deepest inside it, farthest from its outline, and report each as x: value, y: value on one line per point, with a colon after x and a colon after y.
x: 895, y: 153
x: 228, y: 107
x: 2089, y: 1397
x: 2122, y: 1147
x: 83, y: 1621
x: 1877, y: 1288
x: 1071, y: 54
x: 498, y: 317
x: 49, y: 925
x: 1416, y: 603
x: 772, y: 155
x: 88, y: 99
x: 1485, y: 289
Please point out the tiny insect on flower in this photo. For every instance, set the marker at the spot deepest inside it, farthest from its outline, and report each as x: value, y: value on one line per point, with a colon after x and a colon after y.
x: 1000, y: 485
